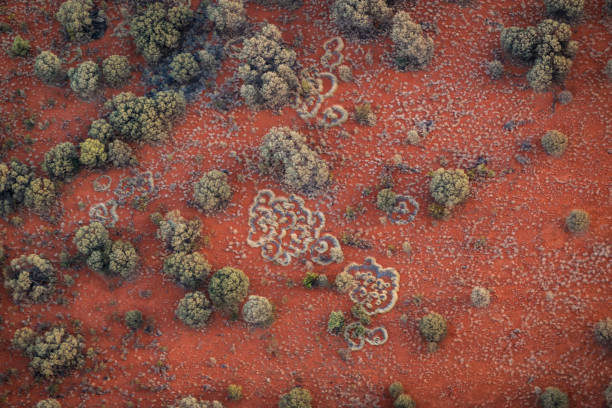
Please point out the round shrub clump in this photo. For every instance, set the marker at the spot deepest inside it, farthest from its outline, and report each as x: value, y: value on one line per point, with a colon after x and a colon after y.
x: 133, y: 319
x: 404, y: 401
x: 188, y: 269
x: 298, y: 397
x: 212, y: 192
x: 554, y: 143
x: 48, y: 403
x: 228, y: 16
x: 565, y: 9
x: 30, y: 278
x: 386, y: 200
x: 234, y: 392
x: 553, y: 397
x: 344, y: 282
x: 93, y: 153
x: 100, y: 130
x: 61, y: 161
x: 194, y: 309
x: 449, y: 187
x: 184, y: 68
x: 577, y: 221
x: 258, y: 311
x: 361, y: 18
x: 432, y: 327
x: 495, y: 69
x: 48, y: 68
x: 396, y: 389
x: 412, y: 48
x: 85, y: 79
x: 92, y: 238
x: 192, y: 402
x: 40, y: 195
x: 179, y: 234
x: 480, y: 297
x: 603, y: 332
x: 120, y: 154
x: 81, y: 20
x: 116, y: 70
x: 122, y: 259
x: 228, y: 287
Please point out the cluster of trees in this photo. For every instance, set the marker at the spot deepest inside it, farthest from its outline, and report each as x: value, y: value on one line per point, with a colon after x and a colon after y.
x: 448, y: 187
x: 20, y: 185
x: 30, y: 278
x: 285, y: 152
x: 81, y: 20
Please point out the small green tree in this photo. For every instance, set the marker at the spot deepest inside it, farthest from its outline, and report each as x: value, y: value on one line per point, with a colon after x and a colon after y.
x: 30, y: 278
x: 553, y: 397
x: 386, y: 200
x: 85, y: 79
x: 603, y: 332
x: 20, y: 47
x: 364, y: 114
x: 577, y: 221
x: 92, y: 238
x: 122, y: 259
x: 298, y: 397
x: 433, y: 327
x: 184, y: 68
x: 194, y: 309
x: 100, y: 130
x: 48, y: 68
x: 133, y: 319
x: 404, y: 401
x: 228, y: 16
x: 212, y: 192
x: 344, y: 282
x: 93, y: 153
x: 554, y: 143
x: 40, y: 195
x: 116, y: 70
x: 449, y: 187
x: 258, y: 311
x: 179, y: 234
x: 227, y: 288
x: 62, y: 161
x: 396, y: 389
x: 188, y: 269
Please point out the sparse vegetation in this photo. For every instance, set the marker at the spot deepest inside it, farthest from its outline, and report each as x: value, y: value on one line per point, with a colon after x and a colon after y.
x: 335, y: 323
x: 234, y: 392
x: 20, y: 47
x: 603, y: 332
x: 133, y: 319
x: 364, y: 114
x: 495, y: 69
x: 404, y: 401
x: 48, y: 403
x: 386, y: 200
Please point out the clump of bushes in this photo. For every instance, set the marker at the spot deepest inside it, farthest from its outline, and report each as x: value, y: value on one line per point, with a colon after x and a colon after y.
x: 449, y: 187
x: 93, y: 153
x: 116, y: 70
x: 192, y: 402
x: 100, y: 130
x: 553, y: 397
x: 361, y: 18
x: 184, y: 68
x: 227, y: 288
x: 194, y: 309
x: 179, y: 234
x: 564, y: 9
x: 188, y: 269
x: 120, y: 154
x: 85, y: 79
x: 268, y: 70
x: 20, y: 47
x: 285, y: 151
x: 30, y: 278
x: 577, y: 221
x: 81, y: 20
x: 61, y: 161
x: 48, y: 68
x: 432, y: 328
x: 359, y: 312
x: 234, y: 392
x: 298, y: 397
x: 40, y: 195
x: 386, y: 200
x: 336, y: 321
x: 228, y: 16
x: 122, y: 260
x: 480, y: 297
x: 258, y: 311
x: 554, y: 143
x: 53, y: 353
x: 412, y: 48
x: 212, y: 192
x: 133, y: 319
x: 603, y: 332
x: 15, y: 180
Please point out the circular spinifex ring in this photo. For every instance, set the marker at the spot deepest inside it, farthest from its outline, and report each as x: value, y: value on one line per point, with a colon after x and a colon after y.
x: 102, y: 183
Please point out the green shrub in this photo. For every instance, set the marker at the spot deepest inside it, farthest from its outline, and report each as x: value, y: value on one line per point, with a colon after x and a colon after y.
x: 396, y: 389
x: 361, y: 17
x: 258, y: 311
x: 194, y: 309
x: 48, y: 403
x: 432, y: 327
x: 208, y: 63
x: 133, y: 319
x: 93, y: 153
x: 15, y: 180
x: 48, y: 68
x: 20, y: 47
x: 234, y: 392
x: 40, y: 195
x: 100, y: 130
x: 184, y: 68
x: 553, y: 397
x: 227, y: 288
x: 480, y: 297
x: 120, y: 154
x: 603, y: 332
x: 495, y: 69
x: 179, y: 234
x: 81, y: 20
x: 85, y: 79
x: 565, y: 9
x: 449, y: 187
x: 577, y: 221
x: 228, y: 16
x: 404, y: 401
x: 30, y: 278
x: 212, y: 192
x: 344, y: 282
x: 122, y: 259
x: 386, y: 200
x: 565, y: 97
x: 61, y: 161
x: 554, y: 143
x: 296, y: 398
x: 336, y: 321
x: 364, y: 114
x: 116, y: 70
x: 188, y: 269
x: 310, y: 280
x: 412, y: 48
x: 359, y: 313
x: 92, y: 238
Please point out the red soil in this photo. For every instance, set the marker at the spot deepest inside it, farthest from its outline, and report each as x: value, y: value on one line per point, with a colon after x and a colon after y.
x: 548, y: 287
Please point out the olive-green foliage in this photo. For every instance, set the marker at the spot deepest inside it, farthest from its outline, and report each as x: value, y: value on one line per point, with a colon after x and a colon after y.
x: 53, y: 353
x: 361, y: 17
x: 608, y: 70
x: 157, y: 30
x: 480, y: 297
x: 179, y: 234
x: 184, y: 68
x: 258, y: 311
x: 20, y: 47
x: 565, y: 9
x: 396, y: 389
x: 30, y: 277
x: 359, y: 313
x: 40, y: 195
x: 120, y: 154
x: 608, y: 391
x: 79, y: 19
x: 413, y: 49
x: 212, y: 192
x: 404, y: 401
x: 194, y: 309
x: 228, y: 16
x: 228, y: 287
x: 100, y: 130
x: 116, y: 70
x: 449, y: 187
x: 554, y: 143
x: 122, y: 259
x: 432, y: 327
x: 133, y: 319
x: 364, y: 114
x: 92, y: 238
x: 234, y: 392
x: 553, y: 397
x: 93, y: 153
x: 577, y: 221
x: 386, y: 200
x: 15, y: 179
x: 208, y: 63
x: 48, y: 68
x: 310, y: 279
x: 188, y: 269
x: 48, y: 403
x: 285, y: 151
x: 61, y: 161
x: 344, y: 282
x: 268, y: 70
x: 192, y: 402
x: 85, y: 79
x: 296, y: 398
x: 6, y: 199
x: 495, y: 69
x: 335, y: 322
x: 603, y: 332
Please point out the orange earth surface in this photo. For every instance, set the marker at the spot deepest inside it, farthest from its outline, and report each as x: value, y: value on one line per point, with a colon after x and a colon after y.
x: 548, y: 287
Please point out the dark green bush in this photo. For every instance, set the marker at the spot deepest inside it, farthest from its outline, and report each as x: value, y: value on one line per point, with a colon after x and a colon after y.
x: 412, y: 48
x: 553, y: 397
x: 258, y: 311
x: 227, y: 288
x: 184, y: 68
x: 100, y: 130
x: 577, y: 221
x: 212, y: 192
x: 85, y: 79
x: 192, y: 402
x: 188, y: 269
x: 432, y: 327
x: 40, y: 195
x: 603, y: 332
x: 122, y: 259
x: 20, y: 47
x: 179, y: 234
x: 133, y: 319
x: 396, y: 389
x: 93, y: 153
x: 116, y: 70
x: 234, y: 392
x: 81, y: 20
x: 564, y: 9
x: 364, y: 114
x: 120, y: 154
x: 48, y: 68
x: 449, y: 187
x: 404, y: 401
x: 362, y: 18
x: 61, y: 161
x: 30, y: 278
x: 194, y: 309
x: 359, y: 313
x: 296, y: 398
x: 228, y: 16
x: 92, y: 238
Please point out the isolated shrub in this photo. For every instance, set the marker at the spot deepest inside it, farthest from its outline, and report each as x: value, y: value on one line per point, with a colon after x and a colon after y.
x: 298, y: 397
x: 234, y: 392
x: 608, y: 69
x: 396, y: 389
x: 116, y: 70
x: 565, y: 9
x: 228, y: 16
x: 100, y: 130
x: 344, y: 282
x: 179, y: 234
x: 361, y: 17
x: 412, y: 48
x: 93, y: 153
x: 577, y: 221
x: 184, y: 68
x: 386, y: 200
x: 194, y: 309
x: 92, y: 238
x: 158, y: 29
x: 122, y: 259
x: 53, y: 353
x: 258, y: 311
x: 603, y: 332
x: 285, y: 152
x: 188, y: 269
x: 268, y: 70
x: 495, y: 69
x: 85, y: 79
x: 48, y: 68
x: 61, y: 161
x: 48, y: 403
x: 20, y: 47
x: 30, y: 278
x: 364, y: 114
x: 335, y: 322
x: 212, y: 192
x: 404, y: 401
x: 133, y: 319
x: 81, y: 20
x: 120, y: 154
x: 19, y: 177
x: 40, y: 195
x: 449, y: 187
x: 432, y: 327
x: 228, y: 287
x: 553, y: 397
x: 480, y: 297
x: 554, y: 143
